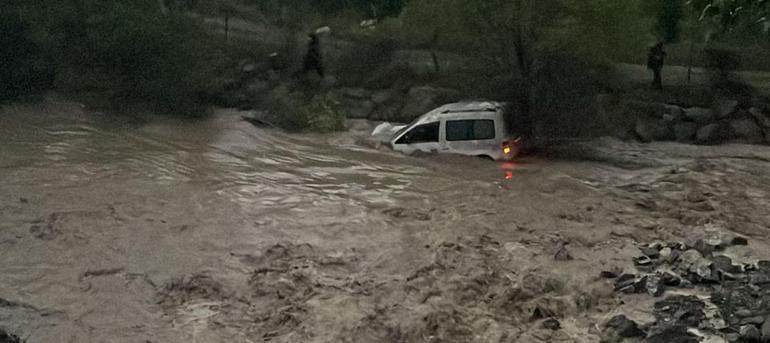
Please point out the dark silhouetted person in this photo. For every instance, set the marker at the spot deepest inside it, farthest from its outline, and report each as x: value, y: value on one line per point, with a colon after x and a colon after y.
x: 655, y: 61
x: 313, y: 61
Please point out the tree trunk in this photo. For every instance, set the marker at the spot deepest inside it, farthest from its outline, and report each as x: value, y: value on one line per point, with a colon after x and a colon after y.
x: 82, y: 19
x: 163, y: 7
x: 521, y: 54
x: 434, y: 41
x: 689, y: 61
x: 527, y: 102
x: 227, y: 26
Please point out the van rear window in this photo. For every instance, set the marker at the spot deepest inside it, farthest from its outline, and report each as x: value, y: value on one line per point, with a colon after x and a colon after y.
x: 470, y: 130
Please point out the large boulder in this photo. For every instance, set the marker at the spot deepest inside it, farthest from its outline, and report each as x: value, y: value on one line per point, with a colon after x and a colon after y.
x: 761, y: 118
x: 356, y: 102
x: 700, y: 115
x: 685, y: 132
x: 655, y: 110
x: 388, y: 105
x: 651, y: 129
x: 422, y: 99
x: 422, y: 62
x: 673, y: 113
x: 384, y: 96
x: 355, y: 93
x: 715, y: 133
x: 747, y: 129
x: 257, y: 87
x: 725, y: 108
x: 358, y: 109
x: 388, y: 112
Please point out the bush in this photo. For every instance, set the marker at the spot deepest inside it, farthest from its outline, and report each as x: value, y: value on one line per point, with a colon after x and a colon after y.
x: 722, y: 63
x: 24, y: 68
x: 283, y: 105
x: 297, y: 111
x: 324, y: 113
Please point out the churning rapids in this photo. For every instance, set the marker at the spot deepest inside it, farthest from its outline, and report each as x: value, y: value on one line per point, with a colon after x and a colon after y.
x: 116, y: 229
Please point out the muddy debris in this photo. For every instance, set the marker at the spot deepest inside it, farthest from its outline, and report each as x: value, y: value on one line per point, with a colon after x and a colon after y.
x: 6, y: 337
x: 631, y: 284
x: 750, y: 333
x: 680, y: 309
x: 471, y: 290
x: 189, y: 288
x: 551, y: 324
x: 611, y: 273
x: 285, y: 280
x: 44, y: 231
x: 562, y: 254
x: 7, y: 303
x: 623, y: 327
x: 406, y: 213
x: 671, y: 334
x: 740, y: 293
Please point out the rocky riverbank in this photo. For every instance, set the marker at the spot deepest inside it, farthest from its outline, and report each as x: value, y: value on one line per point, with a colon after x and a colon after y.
x: 726, y: 121
x: 706, y: 289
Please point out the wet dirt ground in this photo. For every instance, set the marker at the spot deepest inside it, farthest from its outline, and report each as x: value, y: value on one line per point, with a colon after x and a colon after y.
x: 121, y: 229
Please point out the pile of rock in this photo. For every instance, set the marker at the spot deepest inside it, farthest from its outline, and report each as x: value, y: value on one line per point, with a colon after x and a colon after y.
x: 727, y: 121
x: 739, y: 293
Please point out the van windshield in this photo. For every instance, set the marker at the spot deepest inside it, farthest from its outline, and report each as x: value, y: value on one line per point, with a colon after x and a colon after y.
x: 425, y: 133
x: 406, y: 127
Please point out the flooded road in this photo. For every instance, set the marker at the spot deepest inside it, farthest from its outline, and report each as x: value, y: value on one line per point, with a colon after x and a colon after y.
x: 116, y: 229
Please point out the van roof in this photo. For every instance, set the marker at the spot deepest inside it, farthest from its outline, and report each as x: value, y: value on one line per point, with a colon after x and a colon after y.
x: 461, y: 109
x: 471, y: 106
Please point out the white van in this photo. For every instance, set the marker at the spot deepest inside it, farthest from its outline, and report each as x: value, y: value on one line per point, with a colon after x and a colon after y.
x: 467, y: 128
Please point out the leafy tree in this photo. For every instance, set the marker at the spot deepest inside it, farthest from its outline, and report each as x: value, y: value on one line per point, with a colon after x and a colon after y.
x: 534, y: 42
x: 707, y: 21
x: 727, y: 15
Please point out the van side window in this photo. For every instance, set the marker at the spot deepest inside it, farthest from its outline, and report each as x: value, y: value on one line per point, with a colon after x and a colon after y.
x: 426, y: 133
x: 470, y: 130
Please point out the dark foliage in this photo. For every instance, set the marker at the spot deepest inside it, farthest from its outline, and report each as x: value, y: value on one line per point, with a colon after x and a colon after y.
x: 378, y: 8
x: 24, y: 69
x: 160, y: 60
x: 669, y: 15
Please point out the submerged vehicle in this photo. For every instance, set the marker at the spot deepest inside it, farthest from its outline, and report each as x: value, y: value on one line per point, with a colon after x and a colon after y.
x: 466, y: 128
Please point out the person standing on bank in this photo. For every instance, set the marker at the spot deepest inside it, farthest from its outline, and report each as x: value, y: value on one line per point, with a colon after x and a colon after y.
x: 313, y: 60
x: 655, y: 61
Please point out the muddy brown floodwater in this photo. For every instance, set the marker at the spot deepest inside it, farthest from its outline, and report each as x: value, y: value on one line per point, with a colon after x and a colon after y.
x: 116, y: 229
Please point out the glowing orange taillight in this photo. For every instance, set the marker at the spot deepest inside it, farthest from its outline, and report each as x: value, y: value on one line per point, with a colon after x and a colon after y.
x: 507, y: 146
